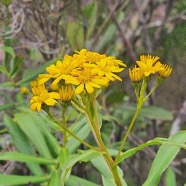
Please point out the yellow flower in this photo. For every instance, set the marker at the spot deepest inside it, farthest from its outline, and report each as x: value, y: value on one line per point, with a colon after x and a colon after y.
x: 42, y: 96
x: 88, y: 56
x: 85, y: 80
x: 58, y: 71
x: 85, y: 69
x: 66, y: 93
x: 34, y: 83
x: 136, y: 74
x: 24, y: 90
x: 166, y: 71
x: 107, y: 67
x: 149, y: 64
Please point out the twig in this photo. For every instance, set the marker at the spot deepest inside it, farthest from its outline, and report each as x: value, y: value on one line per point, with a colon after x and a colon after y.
x: 125, y: 41
x: 103, y: 26
x: 179, y: 119
x: 158, y: 33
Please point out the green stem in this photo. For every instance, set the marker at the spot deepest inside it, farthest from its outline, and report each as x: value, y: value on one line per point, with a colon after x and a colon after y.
x: 126, y: 135
x: 65, y: 125
x: 140, y: 100
x: 71, y: 133
x: 152, y: 90
x: 94, y: 124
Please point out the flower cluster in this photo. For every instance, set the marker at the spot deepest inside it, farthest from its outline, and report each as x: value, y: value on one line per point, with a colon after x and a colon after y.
x: 84, y: 72
x: 149, y: 65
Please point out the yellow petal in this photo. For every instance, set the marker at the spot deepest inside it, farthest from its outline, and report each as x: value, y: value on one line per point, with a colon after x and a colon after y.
x: 89, y: 88
x: 54, y: 95
x: 50, y: 101
x: 140, y: 64
x: 79, y: 89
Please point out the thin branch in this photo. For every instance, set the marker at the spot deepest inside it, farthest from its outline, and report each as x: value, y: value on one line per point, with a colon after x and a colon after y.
x: 179, y: 119
x: 158, y: 33
x: 96, y: 38
x: 125, y: 41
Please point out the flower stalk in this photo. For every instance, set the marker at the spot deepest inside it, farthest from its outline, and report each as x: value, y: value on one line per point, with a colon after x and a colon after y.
x: 92, y: 117
x: 64, y: 128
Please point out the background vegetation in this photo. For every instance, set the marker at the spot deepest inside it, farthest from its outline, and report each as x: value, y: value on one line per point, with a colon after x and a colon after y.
x: 34, y: 33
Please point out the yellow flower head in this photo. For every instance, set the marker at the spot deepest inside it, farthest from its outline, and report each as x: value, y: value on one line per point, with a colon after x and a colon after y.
x: 34, y: 83
x: 166, y: 71
x: 86, y: 80
x: 42, y: 96
x: 85, y: 70
x: 66, y: 93
x: 136, y: 74
x: 24, y: 90
x: 107, y: 67
x: 149, y: 64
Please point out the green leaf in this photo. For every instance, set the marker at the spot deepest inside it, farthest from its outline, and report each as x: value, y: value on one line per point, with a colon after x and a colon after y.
x: 154, y: 112
x: 29, y: 126
x: 90, y: 14
x: 170, y: 177
x: 77, y: 181
x: 31, y: 74
x: 4, y: 70
x: 15, y: 65
x: 7, y: 106
x: 7, y: 85
x: 43, y: 125
x: 75, y: 35
x: 108, y: 180
x: 64, y: 157
x: 16, y: 156
x: 21, y: 180
x: 9, y: 50
x: 85, y: 156
x: 22, y: 143
x: 80, y: 129
x: 106, y: 38
x: 156, y: 141
x: 55, y: 178
x: 164, y: 157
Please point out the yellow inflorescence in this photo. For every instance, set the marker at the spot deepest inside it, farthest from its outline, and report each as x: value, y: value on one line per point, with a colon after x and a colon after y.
x: 166, y: 71
x: 42, y: 96
x: 149, y: 65
x: 84, y: 72
x: 136, y: 74
x: 66, y: 93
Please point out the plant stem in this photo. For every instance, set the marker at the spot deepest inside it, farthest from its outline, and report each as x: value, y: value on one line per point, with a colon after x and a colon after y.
x: 65, y: 125
x: 71, y: 133
x: 126, y: 135
x: 140, y: 99
x: 94, y: 124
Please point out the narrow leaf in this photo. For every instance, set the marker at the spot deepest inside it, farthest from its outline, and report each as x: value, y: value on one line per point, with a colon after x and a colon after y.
x: 90, y: 13
x: 80, y: 129
x: 156, y: 141
x: 164, y: 157
x: 75, y: 35
x: 30, y: 75
x: 21, y: 180
x: 107, y: 177
x: 55, y: 178
x: 9, y: 50
x: 77, y: 181
x: 170, y: 177
x: 84, y: 157
x: 29, y: 126
x: 16, y: 156
x: 22, y: 143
